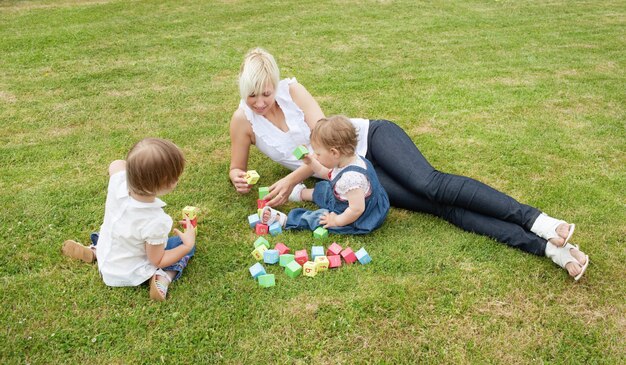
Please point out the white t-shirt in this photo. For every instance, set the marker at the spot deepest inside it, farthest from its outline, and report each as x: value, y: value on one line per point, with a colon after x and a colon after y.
x: 350, y: 180
x: 279, y: 145
x: 128, y: 225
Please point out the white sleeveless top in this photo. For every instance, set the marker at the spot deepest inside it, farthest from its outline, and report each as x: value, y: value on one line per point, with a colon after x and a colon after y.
x: 279, y: 145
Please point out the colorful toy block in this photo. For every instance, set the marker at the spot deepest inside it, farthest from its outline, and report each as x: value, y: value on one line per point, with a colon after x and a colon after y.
x: 300, y: 152
x: 270, y: 256
x: 261, y: 229
x: 285, y: 259
x: 363, y: 256
x: 301, y: 257
x: 321, y: 263
x: 261, y: 241
x: 293, y: 269
x: 348, y: 255
x: 257, y: 253
x: 334, y: 249
x: 257, y: 270
x: 282, y: 248
x: 260, y: 203
x: 263, y: 191
x: 252, y: 177
x: 267, y: 280
x: 317, y: 251
x: 191, y: 213
x: 320, y: 232
x: 309, y: 269
x: 253, y: 219
x: 334, y: 261
x: 275, y: 229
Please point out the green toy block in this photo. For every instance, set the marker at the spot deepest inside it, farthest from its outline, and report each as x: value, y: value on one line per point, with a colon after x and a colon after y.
x: 320, y: 232
x: 293, y: 269
x: 285, y: 259
x: 261, y: 241
x: 263, y: 191
x: 267, y: 280
x: 300, y: 152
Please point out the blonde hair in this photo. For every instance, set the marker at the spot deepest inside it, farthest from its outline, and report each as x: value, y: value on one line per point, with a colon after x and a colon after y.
x: 153, y: 164
x: 335, y: 132
x: 258, y: 70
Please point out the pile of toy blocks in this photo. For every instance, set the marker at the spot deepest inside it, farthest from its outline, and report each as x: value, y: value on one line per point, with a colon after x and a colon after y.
x: 298, y: 263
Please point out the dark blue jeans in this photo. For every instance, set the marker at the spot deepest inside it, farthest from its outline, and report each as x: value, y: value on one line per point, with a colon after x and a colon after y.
x: 413, y: 184
x: 172, y: 242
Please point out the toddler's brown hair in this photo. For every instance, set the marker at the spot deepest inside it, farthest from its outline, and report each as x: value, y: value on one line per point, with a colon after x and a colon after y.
x: 153, y: 164
x: 335, y: 132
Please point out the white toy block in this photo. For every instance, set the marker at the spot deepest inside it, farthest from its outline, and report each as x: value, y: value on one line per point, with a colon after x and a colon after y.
x: 363, y: 256
x: 253, y: 219
x: 317, y: 251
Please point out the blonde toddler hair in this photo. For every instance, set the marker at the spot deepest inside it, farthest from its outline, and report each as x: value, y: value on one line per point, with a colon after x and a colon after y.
x: 335, y: 132
x: 153, y: 164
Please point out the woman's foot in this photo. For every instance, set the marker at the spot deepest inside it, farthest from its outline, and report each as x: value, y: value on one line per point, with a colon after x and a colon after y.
x: 568, y: 257
x: 553, y: 230
x: 270, y: 215
x: 159, y: 285
x: 75, y: 250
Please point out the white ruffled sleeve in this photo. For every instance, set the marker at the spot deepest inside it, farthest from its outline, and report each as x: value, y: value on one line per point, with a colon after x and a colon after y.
x: 351, y: 180
x: 157, y: 230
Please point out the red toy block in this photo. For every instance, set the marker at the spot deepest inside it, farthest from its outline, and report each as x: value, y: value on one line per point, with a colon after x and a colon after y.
x: 333, y: 249
x: 260, y: 203
x: 262, y: 229
x: 302, y: 257
x: 334, y: 261
x: 282, y: 249
x: 348, y: 255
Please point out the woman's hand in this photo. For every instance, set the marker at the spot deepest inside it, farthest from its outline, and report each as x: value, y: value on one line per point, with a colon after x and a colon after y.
x: 279, y: 192
x: 237, y: 177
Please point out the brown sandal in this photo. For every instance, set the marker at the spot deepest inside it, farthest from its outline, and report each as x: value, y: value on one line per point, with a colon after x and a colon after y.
x: 75, y: 250
x: 158, y: 288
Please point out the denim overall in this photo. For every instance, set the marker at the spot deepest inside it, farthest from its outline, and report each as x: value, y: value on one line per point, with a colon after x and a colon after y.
x: 376, y: 205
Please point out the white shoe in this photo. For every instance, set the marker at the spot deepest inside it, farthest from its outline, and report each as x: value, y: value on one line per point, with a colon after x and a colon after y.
x: 562, y: 256
x: 296, y: 193
x: 273, y: 216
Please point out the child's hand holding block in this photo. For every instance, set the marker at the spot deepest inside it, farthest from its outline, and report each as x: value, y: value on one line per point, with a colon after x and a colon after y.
x: 300, y: 152
x: 251, y: 177
x: 191, y: 213
x: 363, y: 256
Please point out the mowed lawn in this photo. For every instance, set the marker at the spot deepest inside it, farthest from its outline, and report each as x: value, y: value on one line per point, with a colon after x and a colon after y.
x: 527, y: 96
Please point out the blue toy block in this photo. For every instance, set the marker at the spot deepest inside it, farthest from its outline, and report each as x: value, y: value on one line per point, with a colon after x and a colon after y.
x: 275, y: 229
x: 253, y: 219
x: 363, y: 256
x: 257, y: 270
x: 317, y: 251
x: 270, y: 256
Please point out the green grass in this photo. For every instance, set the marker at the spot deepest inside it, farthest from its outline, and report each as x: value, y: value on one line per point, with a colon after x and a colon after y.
x: 527, y: 96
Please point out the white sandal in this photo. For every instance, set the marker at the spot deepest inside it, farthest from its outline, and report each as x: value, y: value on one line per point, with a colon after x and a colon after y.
x: 158, y: 290
x: 545, y: 227
x: 562, y: 256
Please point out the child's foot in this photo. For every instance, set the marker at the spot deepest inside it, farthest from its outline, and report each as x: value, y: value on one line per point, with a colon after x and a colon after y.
x: 159, y: 285
x: 75, y: 250
x: 296, y: 193
x: 270, y: 215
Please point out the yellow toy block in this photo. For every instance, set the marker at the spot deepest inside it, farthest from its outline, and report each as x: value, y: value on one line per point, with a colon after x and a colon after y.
x: 321, y: 263
x: 258, y: 252
x: 309, y: 269
x: 252, y: 177
x: 191, y: 213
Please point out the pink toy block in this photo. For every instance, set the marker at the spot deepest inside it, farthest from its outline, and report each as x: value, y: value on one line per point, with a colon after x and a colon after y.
x: 334, y: 249
x: 261, y: 229
x: 302, y: 257
x: 334, y: 261
x: 348, y: 255
x: 260, y: 203
x: 282, y: 249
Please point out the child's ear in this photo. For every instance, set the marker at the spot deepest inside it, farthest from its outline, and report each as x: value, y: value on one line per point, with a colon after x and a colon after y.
x: 335, y: 152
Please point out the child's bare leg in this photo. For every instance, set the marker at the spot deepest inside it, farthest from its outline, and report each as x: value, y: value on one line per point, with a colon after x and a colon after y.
x: 307, y: 195
x: 75, y: 250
